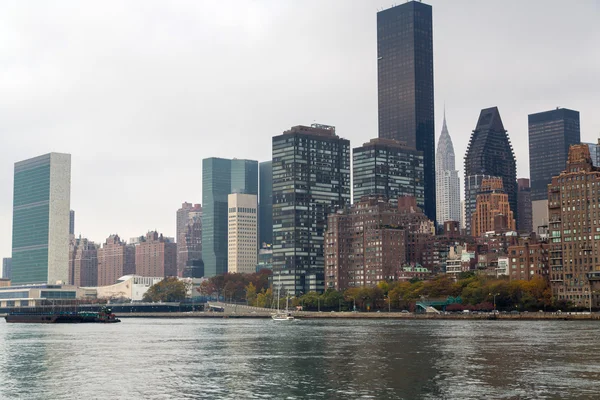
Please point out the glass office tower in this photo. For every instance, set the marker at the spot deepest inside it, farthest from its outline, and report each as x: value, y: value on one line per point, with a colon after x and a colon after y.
x: 551, y: 133
x: 41, y: 216
x: 265, y: 207
x: 490, y: 153
x: 388, y: 168
x: 405, y: 84
x: 221, y: 177
x: 311, y: 179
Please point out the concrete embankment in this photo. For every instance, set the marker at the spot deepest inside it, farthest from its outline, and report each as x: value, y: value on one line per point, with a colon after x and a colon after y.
x: 373, y: 315
x: 228, y: 310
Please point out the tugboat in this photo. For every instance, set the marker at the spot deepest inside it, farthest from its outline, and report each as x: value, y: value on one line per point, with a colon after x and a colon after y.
x: 104, y: 315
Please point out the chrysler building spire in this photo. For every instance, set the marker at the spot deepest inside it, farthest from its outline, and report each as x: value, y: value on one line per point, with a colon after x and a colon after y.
x: 447, y: 181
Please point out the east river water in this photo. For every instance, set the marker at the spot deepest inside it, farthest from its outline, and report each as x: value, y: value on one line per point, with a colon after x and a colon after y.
x: 309, y: 359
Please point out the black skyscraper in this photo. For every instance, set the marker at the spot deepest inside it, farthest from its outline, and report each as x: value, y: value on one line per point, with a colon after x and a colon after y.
x: 551, y: 133
x: 490, y: 153
x: 405, y: 84
x: 265, y: 205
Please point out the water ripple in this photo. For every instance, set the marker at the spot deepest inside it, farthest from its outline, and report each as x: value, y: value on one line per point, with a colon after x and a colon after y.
x: 328, y: 359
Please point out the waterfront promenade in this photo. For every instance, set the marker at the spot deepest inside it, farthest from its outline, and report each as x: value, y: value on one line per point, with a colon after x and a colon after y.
x: 243, y: 311
x: 374, y: 315
x: 250, y: 312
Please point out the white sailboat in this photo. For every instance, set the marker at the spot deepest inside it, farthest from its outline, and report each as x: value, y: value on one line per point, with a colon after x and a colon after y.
x: 281, y: 315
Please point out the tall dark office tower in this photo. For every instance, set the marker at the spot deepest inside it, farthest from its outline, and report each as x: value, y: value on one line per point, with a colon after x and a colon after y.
x: 265, y: 207
x: 221, y: 177
x: 490, y: 153
x: 524, y: 224
x: 405, y: 84
x: 311, y: 179
x: 386, y: 167
x: 551, y: 133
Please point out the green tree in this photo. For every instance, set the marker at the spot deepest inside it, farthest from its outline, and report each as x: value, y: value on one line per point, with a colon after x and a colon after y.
x: 311, y: 300
x: 384, y: 286
x: 332, y: 299
x: 251, y: 294
x: 441, y: 286
x: 474, y: 293
x: 264, y: 298
x: 366, y: 298
x: 232, y: 286
x: 168, y: 290
x: 466, y: 275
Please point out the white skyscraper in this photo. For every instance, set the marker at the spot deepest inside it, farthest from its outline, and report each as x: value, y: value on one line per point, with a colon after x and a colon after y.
x: 447, y: 181
x: 242, y: 255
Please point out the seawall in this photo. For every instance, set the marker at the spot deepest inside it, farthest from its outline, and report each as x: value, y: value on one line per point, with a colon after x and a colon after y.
x: 373, y: 315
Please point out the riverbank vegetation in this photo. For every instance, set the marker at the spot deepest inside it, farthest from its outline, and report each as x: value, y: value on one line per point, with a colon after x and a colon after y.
x: 169, y: 289
x: 469, y: 292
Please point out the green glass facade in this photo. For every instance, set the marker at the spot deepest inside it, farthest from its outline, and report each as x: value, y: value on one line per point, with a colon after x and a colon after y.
x: 31, y: 217
x: 40, y: 233
x: 220, y: 177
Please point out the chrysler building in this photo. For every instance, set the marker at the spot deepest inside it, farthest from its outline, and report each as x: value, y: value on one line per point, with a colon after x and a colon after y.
x: 446, y: 178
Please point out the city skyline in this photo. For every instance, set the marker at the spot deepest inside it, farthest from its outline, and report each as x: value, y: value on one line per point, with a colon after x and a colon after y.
x: 96, y: 105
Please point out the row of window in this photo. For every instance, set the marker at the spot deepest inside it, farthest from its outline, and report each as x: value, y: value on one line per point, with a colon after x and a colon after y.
x: 242, y: 210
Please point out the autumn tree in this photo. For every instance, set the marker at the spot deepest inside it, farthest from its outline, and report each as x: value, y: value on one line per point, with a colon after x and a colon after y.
x: 232, y: 286
x: 441, y: 286
x: 251, y: 294
x: 169, y: 289
x: 264, y: 298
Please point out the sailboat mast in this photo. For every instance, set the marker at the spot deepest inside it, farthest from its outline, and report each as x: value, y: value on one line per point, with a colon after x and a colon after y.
x: 278, y: 292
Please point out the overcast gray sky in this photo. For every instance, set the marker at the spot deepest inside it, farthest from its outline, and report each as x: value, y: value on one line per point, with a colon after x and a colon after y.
x: 139, y: 92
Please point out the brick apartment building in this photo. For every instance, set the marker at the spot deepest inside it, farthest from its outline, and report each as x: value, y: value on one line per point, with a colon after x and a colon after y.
x: 574, y: 230
x: 115, y: 259
x: 492, y: 210
x: 528, y: 259
x: 364, y: 244
x: 155, y: 256
x: 83, y: 263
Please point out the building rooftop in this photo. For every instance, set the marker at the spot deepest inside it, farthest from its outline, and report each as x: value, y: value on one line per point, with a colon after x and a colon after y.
x: 314, y: 129
x: 388, y: 142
